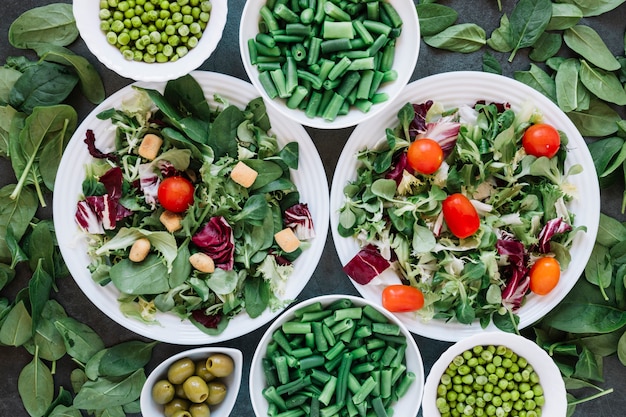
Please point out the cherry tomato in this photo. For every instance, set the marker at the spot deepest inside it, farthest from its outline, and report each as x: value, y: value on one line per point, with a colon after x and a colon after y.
x: 402, y: 298
x: 544, y: 275
x: 425, y: 155
x: 541, y: 140
x: 460, y: 216
x: 175, y: 194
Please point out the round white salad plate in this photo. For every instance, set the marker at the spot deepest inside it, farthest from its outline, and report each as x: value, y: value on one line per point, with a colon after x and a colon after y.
x: 309, y: 178
x: 454, y: 89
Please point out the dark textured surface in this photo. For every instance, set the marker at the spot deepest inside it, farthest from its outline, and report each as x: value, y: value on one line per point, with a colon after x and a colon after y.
x: 328, y: 277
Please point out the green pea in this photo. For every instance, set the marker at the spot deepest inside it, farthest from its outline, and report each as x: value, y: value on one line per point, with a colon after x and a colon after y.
x: 112, y: 38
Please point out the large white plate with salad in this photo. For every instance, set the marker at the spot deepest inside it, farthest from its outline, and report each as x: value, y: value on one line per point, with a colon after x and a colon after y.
x: 448, y: 262
x: 309, y: 179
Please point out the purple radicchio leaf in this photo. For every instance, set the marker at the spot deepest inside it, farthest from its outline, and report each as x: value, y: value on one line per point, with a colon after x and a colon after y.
x: 515, y: 274
x: 551, y: 228
x: 366, y: 265
x: 88, y: 219
x: 149, y: 184
x: 418, y: 125
x: 90, y: 141
x: 444, y: 132
x: 112, y: 181
x: 501, y: 107
x: 167, y: 168
x: 216, y: 240
x: 208, y: 321
x: 298, y: 218
x: 400, y: 165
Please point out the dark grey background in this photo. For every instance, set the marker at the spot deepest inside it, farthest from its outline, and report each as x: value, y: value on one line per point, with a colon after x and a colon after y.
x: 328, y: 278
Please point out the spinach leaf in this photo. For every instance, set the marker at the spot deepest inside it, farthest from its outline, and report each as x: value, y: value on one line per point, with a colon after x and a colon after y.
x: 528, y: 20
x: 47, y: 338
x: 586, y: 42
x: 564, y: 16
x: 6, y: 275
x: 289, y: 155
x: 588, y: 366
x: 604, y: 84
x: 546, y: 46
x: 590, y: 318
x: 594, y: 7
x: 610, y: 231
x: 36, y: 387
x: 599, y: 268
x: 434, y: 18
x: 15, y: 215
x: 39, y: 287
x: 267, y: 172
x: 256, y: 296
x: 17, y: 325
x: 104, y: 393
x: 223, y: 138
x: 621, y: 349
x: 464, y: 37
x: 500, y: 39
x: 491, y: 64
x: 40, y: 246
x: 567, y: 85
x: 125, y: 358
x: 45, y: 84
x: 53, y: 23
x: 538, y: 79
x: 260, y: 118
x: 147, y: 277
x: 90, y: 82
x: 187, y: 95
x: 7, y: 114
x: 80, y: 340
x: 8, y: 78
x: 599, y: 120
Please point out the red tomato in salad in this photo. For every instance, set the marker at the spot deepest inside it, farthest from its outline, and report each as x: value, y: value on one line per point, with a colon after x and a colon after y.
x: 425, y: 155
x: 175, y: 194
x: 402, y: 298
x: 460, y: 216
x: 544, y: 275
x: 541, y: 140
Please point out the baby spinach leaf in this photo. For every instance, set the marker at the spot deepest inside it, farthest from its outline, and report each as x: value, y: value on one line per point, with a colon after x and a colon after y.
x: 78, y: 379
x: 590, y: 318
x: 599, y: 268
x: 464, y: 37
x: 594, y: 7
x: 586, y: 42
x: 604, y: 84
x: 92, y: 368
x: 599, y: 120
x: 528, y: 20
x: 17, y: 325
x: 500, y: 39
x: 149, y: 276
x: 39, y: 287
x: 53, y: 23
x: 546, y: 46
x: 40, y: 248
x: 47, y: 338
x: 8, y: 78
x: 7, y: 113
x: 223, y: 138
x: 564, y: 16
x: 588, y: 366
x: 6, y: 275
x: 610, y: 231
x: 89, y: 80
x: 15, y: 214
x: 188, y: 96
x: 45, y: 84
x: 267, y: 172
x: 104, y: 393
x: 80, y: 340
x: 435, y: 17
x: 567, y: 82
x: 491, y: 64
x: 289, y: 155
x: 538, y: 79
x: 621, y: 349
x: 36, y: 387
x: 125, y: 358
x: 64, y: 411
x: 256, y: 296
x: 260, y: 118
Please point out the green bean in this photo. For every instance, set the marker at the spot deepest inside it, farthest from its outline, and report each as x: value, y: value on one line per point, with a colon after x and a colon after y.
x: 335, y: 12
x: 338, y: 30
x: 268, y: 85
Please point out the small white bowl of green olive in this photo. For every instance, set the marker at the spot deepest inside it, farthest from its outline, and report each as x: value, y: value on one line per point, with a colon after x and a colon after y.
x: 147, y: 40
x: 200, y: 382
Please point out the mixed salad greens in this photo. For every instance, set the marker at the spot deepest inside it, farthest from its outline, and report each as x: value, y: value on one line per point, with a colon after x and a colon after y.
x: 517, y: 198
x: 183, y: 201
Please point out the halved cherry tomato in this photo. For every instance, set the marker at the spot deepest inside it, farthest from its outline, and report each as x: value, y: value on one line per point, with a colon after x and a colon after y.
x: 400, y: 298
x: 544, y: 275
x: 541, y: 140
x: 175, y: 194
x: 460, y: 215
x: 425, y: 155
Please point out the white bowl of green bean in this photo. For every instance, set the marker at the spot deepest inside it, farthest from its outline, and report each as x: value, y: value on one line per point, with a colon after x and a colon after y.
x: 336, y: 352
x: 151, y: 40
x: 498, y: 373
x: 329, y: 65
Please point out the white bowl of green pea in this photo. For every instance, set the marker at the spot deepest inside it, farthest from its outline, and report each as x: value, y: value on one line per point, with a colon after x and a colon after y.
x: 495, y: 373
x: 202, y: 382
x: 151, y: 40
x: 326, y: 64
x: 337, y: 354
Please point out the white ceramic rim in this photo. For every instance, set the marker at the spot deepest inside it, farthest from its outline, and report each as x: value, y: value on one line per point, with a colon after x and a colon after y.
x: 465, y: 87
x: 407, y: 406
x: 549, y: 374
x: 310, y: 179
x: 233, y: 381
x: 407, y: 51
x: 88, y: 23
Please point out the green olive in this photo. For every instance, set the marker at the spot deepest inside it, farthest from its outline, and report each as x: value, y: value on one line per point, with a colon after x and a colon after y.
x: 177, y: 404
x: 202, y: 372
x: 220, y: 364
x: 180, y: 391
x: 180, y: 370
x: 163, y: 391
x: 199, y: 410
x: 217, y: 393
x: 182, y: 413
x: 196, y: 389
